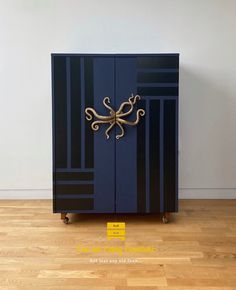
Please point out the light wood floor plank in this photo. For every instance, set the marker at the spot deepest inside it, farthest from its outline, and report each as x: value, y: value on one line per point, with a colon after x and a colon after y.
x: 195, y: 251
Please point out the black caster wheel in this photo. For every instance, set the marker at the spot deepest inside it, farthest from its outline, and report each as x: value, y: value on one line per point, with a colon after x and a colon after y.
x: 165, y: 220
x: 66, y: 220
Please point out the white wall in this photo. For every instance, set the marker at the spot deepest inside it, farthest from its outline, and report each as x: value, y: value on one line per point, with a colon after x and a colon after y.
x: 202, y: 31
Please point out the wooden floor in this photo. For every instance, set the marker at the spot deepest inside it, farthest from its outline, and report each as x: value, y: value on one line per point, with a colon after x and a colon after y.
x: 196, y: 250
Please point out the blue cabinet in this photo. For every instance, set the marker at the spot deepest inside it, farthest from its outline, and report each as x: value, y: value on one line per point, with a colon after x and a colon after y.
x: 136, y: 173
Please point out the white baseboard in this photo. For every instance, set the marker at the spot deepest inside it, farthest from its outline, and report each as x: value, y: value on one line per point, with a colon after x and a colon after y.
x: 25, y: 194
x: 184, y: 193
x: 207, y: 193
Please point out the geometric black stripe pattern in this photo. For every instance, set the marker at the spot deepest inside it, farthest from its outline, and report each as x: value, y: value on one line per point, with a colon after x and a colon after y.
x: 72, y: 88
x: 157, y: 84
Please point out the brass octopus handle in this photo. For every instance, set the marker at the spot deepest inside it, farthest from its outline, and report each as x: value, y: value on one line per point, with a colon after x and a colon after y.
x: 115, y: 117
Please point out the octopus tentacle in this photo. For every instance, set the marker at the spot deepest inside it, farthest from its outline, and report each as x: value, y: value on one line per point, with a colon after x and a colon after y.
x: 128, y: 103
x: 132, y: 101
x: 107, y: 99
x: 121, y: 114
x: 109, y: 128
x: 89, y: 117
x: 122, y: 131
x: 136, y: 97
x: 95, y: 124
x: 122, y: 107
x: 139, y: 113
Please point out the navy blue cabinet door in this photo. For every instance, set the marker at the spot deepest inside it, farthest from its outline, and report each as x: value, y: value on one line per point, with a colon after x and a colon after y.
x: 138, y: 172
x: 146, y: 157
x: 83, y: 161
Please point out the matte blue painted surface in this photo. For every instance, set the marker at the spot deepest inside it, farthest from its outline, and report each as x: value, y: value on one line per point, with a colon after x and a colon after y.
x: 177, y: 156
x: 161, y: 156
x: 68, y: 98
x: 82, y: 115
x: 104, y: 153
x: 126, y: 147
x: 147, y: 156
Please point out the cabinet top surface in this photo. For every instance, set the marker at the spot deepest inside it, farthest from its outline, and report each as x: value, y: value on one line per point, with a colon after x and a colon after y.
x: 115, y: 54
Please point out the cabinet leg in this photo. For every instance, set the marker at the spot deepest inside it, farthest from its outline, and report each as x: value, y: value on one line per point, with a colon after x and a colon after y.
x: 64, y: 218
x: 166, y: 217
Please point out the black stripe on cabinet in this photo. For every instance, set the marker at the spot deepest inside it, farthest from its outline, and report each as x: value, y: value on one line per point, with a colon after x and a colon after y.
x: 154, y: 157
x: 74, y: 175
x: 60, y: 113
x: 169, y: 155
x: 89, y: 102
x: 141, y: 168
x: 158, y: 91
x: 158, y: 62
x: 75, y: 204
x: 74, y: 189
x: 75, y: 86
x: 158, y: 77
